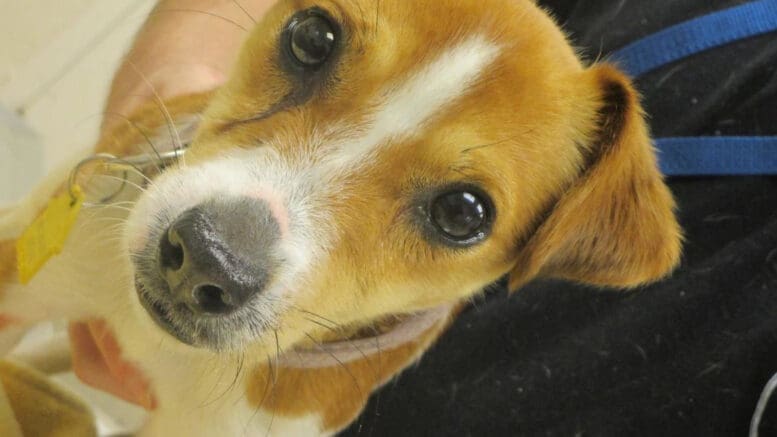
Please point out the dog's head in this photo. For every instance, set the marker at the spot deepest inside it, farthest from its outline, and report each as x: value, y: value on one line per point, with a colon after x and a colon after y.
x: 372, y: 158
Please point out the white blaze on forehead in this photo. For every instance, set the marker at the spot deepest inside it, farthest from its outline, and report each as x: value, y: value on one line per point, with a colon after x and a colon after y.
x: 405, y: 107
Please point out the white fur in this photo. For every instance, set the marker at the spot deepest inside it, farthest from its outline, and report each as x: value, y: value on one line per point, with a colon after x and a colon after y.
x: 241, y: 173
x: 84, y: 290
x: 404, y: 108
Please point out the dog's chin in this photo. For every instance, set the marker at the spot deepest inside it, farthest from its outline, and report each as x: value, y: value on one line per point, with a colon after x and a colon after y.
x: 178, y: 321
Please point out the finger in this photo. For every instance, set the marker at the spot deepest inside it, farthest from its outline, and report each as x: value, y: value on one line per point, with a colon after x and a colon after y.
x: 132, y: 380
x: 89, y: 364
x: 169, y: 59
x: 6, y: 321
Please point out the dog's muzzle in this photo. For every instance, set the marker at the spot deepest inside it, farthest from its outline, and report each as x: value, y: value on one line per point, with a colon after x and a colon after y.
x: 206, y: 270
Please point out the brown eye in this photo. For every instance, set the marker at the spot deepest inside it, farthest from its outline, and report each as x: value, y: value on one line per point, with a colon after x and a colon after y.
x: 312, y: 40
x: 461, y: 216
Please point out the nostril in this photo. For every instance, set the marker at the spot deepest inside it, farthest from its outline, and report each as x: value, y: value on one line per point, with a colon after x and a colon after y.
x: 171, y: 256
x: 212, y: 299
x: 215, y: 257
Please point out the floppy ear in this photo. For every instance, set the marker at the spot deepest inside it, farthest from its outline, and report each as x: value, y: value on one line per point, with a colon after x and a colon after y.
x: 615, y: 226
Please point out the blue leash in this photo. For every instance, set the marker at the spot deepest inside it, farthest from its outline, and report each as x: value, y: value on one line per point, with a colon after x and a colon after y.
x: 699, y: 156
x: 687, y: 156
x: 697, y: 35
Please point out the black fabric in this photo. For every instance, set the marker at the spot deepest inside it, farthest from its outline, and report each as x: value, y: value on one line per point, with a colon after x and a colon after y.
x: 685, y: 357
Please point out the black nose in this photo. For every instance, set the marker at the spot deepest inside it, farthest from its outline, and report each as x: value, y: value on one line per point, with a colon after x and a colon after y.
x: 217, y: 255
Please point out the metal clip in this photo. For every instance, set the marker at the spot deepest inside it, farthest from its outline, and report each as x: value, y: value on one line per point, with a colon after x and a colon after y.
x: 140, y: 163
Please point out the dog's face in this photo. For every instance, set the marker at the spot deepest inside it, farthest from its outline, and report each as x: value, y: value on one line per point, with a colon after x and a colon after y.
x: 370, y: 158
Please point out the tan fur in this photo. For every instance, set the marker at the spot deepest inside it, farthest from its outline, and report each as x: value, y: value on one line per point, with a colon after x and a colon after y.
x: 612, y: 223
x: 7, y: 262
x: 544, y: 117
x: 562, y: 149
x: 615, y: 225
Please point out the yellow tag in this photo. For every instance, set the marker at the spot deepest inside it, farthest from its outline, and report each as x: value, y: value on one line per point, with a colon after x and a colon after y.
x: 46, y: 236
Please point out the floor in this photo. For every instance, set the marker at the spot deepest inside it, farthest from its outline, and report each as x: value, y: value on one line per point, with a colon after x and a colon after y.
x: 56, y: 63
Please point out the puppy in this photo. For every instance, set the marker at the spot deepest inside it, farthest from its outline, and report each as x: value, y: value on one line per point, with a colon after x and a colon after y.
x: 369, y: 167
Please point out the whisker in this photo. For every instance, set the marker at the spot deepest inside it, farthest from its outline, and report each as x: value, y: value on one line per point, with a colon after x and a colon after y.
x: 145, y: 136
x: 215, y: 384
x: 195, y: 11
x: 121, y: 203
x: 267, y: 385
x: 121, y: 179
x: 172, y: 130
x: 237, y: 3
x: 117, y: 222
x: 483, y: 146
x: 332, y: 322
x: 130, y: 122
x: 277, y: 348
x: 352, y: 343
x: 353, y: 377
x: 274, y: 381
x: 238, y: 371
x: 131, y: 167
x: 132, y: 184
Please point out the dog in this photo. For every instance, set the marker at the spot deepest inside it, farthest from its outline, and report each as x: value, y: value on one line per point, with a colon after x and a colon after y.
x: 368, y: 168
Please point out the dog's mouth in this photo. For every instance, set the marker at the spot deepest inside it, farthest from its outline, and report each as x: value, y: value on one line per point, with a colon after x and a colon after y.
x: 395, y: 332
x: 163, y: 314
x: 217, y: 332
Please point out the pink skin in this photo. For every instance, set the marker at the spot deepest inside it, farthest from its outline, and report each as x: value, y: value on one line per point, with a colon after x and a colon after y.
x: 277, y: 208
x: 273, y: 200
x: 6, y: 321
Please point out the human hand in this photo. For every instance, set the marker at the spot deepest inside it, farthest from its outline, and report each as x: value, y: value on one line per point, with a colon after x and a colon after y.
x: 97, y: 361
x: 186, y: 46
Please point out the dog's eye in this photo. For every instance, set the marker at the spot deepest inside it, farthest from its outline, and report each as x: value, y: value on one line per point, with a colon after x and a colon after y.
x: 312, y: 40
x: 462, y: 216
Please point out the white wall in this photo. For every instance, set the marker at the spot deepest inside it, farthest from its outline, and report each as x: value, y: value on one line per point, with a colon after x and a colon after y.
x: 55, y: 68
x: 21, y: 156
x: 57, y: 58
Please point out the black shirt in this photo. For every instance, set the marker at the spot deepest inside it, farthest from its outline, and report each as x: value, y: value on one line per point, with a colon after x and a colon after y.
x: 685, y: 357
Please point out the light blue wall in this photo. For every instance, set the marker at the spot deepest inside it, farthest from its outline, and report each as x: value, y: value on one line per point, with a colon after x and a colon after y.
x: 21, y: 157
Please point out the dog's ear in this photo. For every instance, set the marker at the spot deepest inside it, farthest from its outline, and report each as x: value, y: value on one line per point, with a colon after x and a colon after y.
x: 615, y: 226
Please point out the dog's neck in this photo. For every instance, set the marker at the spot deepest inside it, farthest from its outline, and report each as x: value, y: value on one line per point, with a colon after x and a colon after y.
x: 335, y: 380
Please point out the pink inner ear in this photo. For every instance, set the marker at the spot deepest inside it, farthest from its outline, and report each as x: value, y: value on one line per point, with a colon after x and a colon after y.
x: 277, y: 207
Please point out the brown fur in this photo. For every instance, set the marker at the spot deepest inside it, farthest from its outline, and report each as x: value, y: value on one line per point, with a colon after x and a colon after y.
x: 562, y: 149
x: 557, y: 138
x: 615, y: 225
x: 551, y: 133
